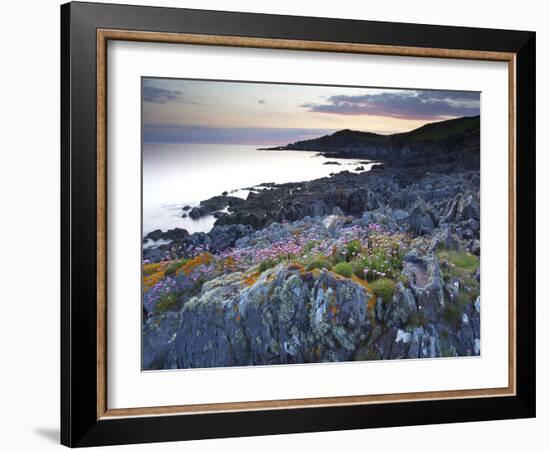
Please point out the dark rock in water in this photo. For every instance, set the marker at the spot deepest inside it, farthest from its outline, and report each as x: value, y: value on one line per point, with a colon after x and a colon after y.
x: 221, y: 202
x: 219, y: 214
x: 285, y: 317
x: 186, y: 208
x: 171, y: 235
x: 225, y: 193
x: 214, y: 204
x: 198, y: 212
x: 153, y: 235
x: 183, y: 216
x: 359, y: 168
x: 334, y: 163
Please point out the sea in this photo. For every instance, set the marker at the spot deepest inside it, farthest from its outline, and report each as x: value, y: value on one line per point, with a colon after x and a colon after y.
x: 176, y: 175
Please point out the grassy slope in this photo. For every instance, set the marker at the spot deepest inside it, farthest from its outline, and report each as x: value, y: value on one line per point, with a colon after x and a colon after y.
x: 463, y: 127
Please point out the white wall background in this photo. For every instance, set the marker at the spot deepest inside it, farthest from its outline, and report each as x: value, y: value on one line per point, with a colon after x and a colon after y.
x: 29, y: 229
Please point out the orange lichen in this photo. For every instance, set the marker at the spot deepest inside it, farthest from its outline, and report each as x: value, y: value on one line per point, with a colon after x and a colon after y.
x: 371, y: 303
x: 370, y: 306
x: 317, y: 353
x: 150, y: 280
x: 250, y: 279
x: 295, y: 266
x: 315, y: 273
x: 149, y: 269
x: 363, y: 283
x: 203, y: 259
x: 230, y: 263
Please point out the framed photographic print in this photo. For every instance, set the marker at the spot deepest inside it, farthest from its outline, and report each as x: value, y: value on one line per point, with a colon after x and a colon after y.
x: 277, y: 224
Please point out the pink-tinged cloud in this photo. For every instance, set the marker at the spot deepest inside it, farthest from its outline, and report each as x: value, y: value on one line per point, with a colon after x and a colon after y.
x: 426, y: 105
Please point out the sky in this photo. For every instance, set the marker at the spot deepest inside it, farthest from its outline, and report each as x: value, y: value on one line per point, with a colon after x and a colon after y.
x: 204, y: 111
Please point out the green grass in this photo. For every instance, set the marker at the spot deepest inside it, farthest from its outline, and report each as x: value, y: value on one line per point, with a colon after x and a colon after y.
x: 383, y: 288
x: 460, y: 259
x: 265, y: 265
x: 310, y: 245
x: 353, y: 249
x: 440, y: 130
x: 343, y: 269
x: 171, y: 269
x: 318, y: 263
x: 167, y: 302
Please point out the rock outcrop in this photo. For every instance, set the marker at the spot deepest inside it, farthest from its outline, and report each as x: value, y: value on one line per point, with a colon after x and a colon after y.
x: 291, y: 315
x: 287, y: 316
x: 283, y: 276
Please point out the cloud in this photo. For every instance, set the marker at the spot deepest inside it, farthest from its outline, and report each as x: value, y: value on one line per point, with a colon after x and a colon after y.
x: 428, y: 105
x: 154, y: 94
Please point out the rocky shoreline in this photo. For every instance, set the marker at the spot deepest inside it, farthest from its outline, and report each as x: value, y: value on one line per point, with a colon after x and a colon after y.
x: 360, y: 265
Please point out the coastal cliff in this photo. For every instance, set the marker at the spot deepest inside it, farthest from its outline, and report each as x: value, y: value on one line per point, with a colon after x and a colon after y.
x: 370, y: 265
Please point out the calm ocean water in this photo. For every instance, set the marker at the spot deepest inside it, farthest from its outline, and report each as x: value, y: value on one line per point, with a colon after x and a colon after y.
x: 176, y: 175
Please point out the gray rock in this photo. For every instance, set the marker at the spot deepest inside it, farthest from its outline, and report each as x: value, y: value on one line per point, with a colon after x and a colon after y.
x: 468, y: 208
x: 426, y: 283
x: 421, y: 221
x: 285, y: 317
x: 158, y: 336
x: 401, y: 307
x: 224, y: 236
x: 400, y: 215
x: 443, y: 239
x: 475, y: 247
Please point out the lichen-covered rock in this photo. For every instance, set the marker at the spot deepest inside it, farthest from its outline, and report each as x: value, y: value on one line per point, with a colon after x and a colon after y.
x: 401, y: 308
x: 425, y: 317
x: 158, y: 336
x: 425, y: 282
x: 287, y: 315
x: 444, y: 239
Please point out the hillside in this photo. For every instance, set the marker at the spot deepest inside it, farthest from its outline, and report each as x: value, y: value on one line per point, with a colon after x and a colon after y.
x: 439, y: 140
